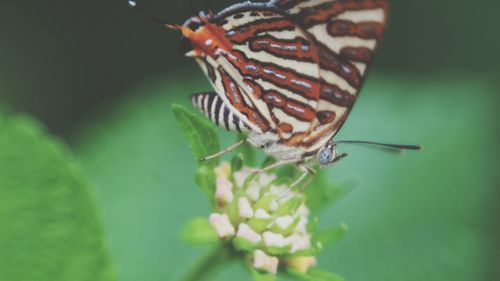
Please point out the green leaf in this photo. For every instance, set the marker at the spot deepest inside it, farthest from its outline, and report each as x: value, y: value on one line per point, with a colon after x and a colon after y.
x: 259, y: 225
x: 288, y: 171
x: 287, y: 231
x: 318, y: 275
x: 50, y: 228
x: 265, y: 202
x: 331, y: 236
x: 321, y: 193
x: 268, y: 161
x: 314, y: 275
x: 277, y: 251
x: 201, y: 134
x: 261, y: 276
x: 205, y: 178
x: 233, y: 212
x: 243, y: 244
x: 282, y: 180
x: 290, y: 206
x: 237, y: 162
x: 199, y: 232
x: 203, y: 141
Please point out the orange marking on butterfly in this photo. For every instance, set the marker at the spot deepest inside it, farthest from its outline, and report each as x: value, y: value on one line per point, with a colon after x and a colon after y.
x: 207, y: 40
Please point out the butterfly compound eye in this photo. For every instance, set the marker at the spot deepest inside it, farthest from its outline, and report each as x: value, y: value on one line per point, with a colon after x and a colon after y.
x: 327, y: 154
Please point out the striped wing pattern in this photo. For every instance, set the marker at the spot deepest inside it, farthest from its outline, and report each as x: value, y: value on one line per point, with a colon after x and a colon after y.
x: 257, y: 86
x: 290, y: 70
x: 214, y: 108
x: 346, y: 33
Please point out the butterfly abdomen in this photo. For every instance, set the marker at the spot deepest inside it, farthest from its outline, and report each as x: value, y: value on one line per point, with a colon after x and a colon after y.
x: 212, y: 106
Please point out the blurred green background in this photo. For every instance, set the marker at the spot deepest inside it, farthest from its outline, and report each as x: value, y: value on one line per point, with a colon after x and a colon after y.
x: 102, y: 78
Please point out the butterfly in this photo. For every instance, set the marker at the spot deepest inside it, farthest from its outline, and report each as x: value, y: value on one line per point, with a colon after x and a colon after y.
x: 286, y: 73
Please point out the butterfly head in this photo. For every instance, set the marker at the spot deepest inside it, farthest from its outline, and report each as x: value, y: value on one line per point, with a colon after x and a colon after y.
x: 200, y: 37
x: 327, y: 154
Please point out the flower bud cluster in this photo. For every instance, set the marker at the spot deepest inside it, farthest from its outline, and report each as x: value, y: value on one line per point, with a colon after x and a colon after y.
x: 261, y: 217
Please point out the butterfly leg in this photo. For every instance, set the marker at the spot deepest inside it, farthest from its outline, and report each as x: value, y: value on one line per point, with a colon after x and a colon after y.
x: 305, y: 172
x: 224, y: 151
x: 275, y: 165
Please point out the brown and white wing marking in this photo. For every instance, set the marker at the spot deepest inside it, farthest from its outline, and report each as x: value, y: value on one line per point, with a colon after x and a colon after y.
x: 270, y: 76
x: 346, y: 34
x: 214, y: 108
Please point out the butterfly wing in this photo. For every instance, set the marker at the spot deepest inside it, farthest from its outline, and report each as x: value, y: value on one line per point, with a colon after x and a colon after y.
x: 270, y: 76
x: 346, y: 34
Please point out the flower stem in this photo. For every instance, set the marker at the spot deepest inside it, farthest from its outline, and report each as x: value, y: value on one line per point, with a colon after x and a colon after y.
x: 208, y: 264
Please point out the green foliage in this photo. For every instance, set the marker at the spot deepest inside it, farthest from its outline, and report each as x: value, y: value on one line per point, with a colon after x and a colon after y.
x: 420, y: 215
x: 237, y: 162
x: 199, y: 232
x: 49, y: 227
x: 247, y: 151
x: 315, y: 275
x: 260, y: 276
x: 331, y: 236
x: 200, y: 134
x: 322, y: 193
x: 205, y: 179
x: 203, y: 140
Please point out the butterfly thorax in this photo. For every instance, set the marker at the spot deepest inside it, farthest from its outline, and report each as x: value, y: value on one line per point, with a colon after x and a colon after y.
x: 206, y: 38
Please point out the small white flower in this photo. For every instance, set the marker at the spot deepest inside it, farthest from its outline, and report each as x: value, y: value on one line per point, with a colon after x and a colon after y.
x: 298, y: 242
x: 282, y: 192
x: 262, y: 214
x: 274, y: 240
x: 222, y: 225
x: 303, y: 211
x: 274, y: 190
x: 245, y: 208
x: 301, y: 227
x: 265, y: 179
x: 241, y: 176
x: 284, y: 222
x: 264, y: 227
x: 253, y: 191
x: 246, y: 232
x: 274, y: 206
x: 223, y: 170
x: 264, y: 262
x: 224, y: 190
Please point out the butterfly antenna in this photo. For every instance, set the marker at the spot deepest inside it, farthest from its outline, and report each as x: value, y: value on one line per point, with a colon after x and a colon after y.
x: 140, y: 9
x: 383, y: 145
x: 209, y: 7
